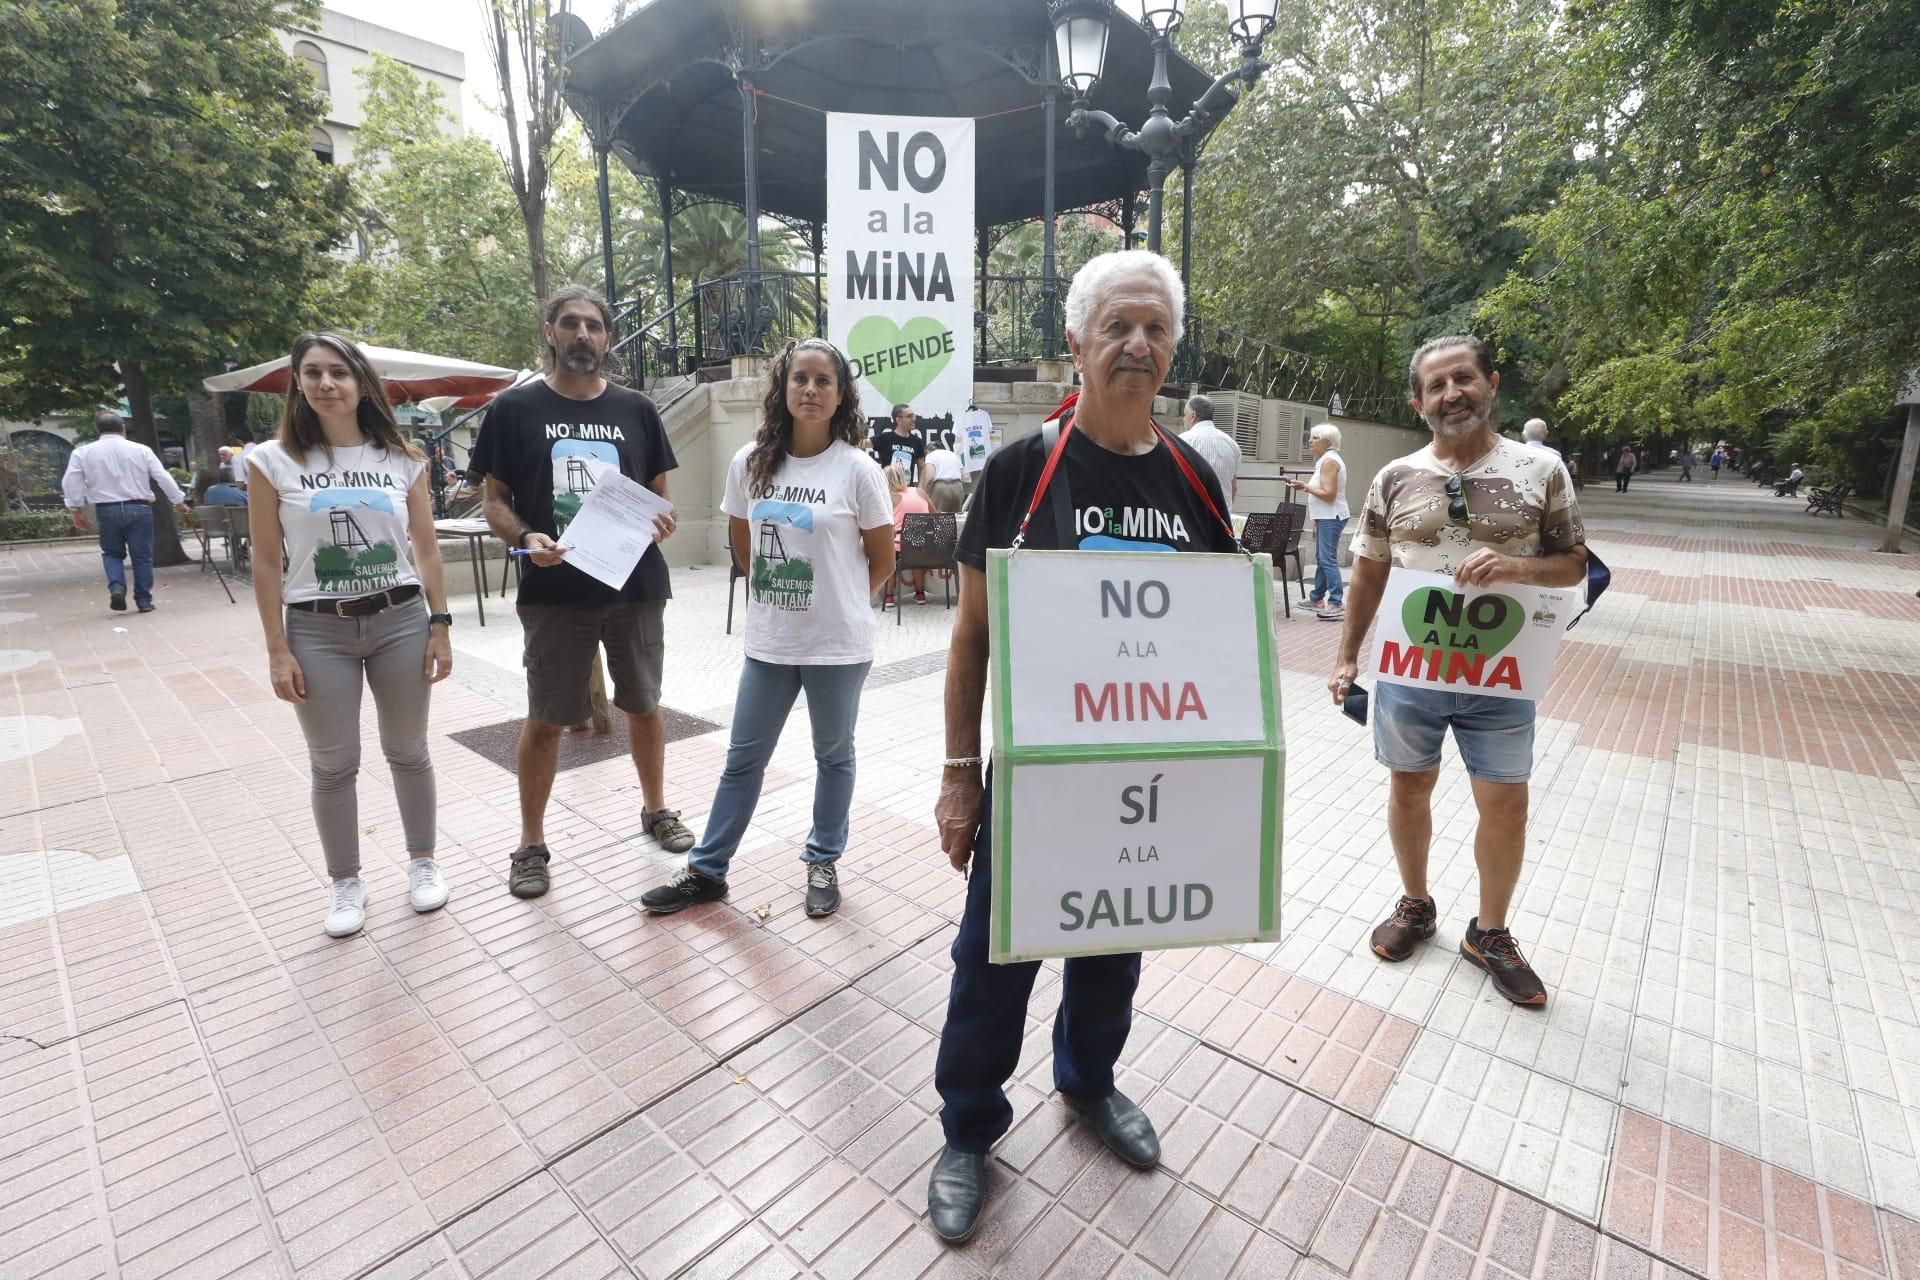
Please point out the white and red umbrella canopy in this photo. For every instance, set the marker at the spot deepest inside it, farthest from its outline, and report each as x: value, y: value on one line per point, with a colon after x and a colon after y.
x: 411, y: 376
x: 476, y: 400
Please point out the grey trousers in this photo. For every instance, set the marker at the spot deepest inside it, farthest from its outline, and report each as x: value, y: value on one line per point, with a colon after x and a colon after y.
x: 390, y: 649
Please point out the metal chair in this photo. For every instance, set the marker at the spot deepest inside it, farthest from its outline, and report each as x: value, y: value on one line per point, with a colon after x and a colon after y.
x: 927, y: 541
x: 1278, y: 534
x: 734, y: 574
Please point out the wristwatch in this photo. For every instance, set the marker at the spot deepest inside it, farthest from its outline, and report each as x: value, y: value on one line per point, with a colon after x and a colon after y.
x: 444, y: 619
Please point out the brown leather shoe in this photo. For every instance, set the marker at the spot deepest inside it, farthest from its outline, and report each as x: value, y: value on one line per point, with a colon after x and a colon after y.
x: 1412, y: 921
x: 1495, y: 951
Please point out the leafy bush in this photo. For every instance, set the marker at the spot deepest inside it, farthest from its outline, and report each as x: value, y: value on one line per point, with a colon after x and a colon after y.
x: 27, y: 526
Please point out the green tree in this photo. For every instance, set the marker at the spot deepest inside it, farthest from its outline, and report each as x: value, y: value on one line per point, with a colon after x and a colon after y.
x: 160, y: 205
x: 1742, y: 266
x: 447, y: 270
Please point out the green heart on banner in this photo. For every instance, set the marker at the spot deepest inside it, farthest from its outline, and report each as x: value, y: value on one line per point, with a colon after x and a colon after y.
x: 900, y: 383
x: 1439, y: 619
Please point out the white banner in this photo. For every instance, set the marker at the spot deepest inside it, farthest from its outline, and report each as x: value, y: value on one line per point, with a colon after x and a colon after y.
x: 900, y: 262
x: 1501, y: 640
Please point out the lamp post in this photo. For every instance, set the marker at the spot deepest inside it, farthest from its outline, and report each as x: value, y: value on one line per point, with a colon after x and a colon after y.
x: 1080, y: 29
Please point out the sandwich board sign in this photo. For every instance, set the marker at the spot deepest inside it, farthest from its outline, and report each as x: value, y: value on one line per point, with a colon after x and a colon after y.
x: 1138, y: 764
x: 1499, y: 641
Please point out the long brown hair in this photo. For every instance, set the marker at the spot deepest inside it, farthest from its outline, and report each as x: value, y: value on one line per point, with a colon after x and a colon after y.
x: 774, y: 440
x: 300, y: 430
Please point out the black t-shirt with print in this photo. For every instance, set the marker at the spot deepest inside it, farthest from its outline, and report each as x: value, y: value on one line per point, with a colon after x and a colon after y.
x: 1121, y: 502
x: 537, y: 442
x: 890, y: 446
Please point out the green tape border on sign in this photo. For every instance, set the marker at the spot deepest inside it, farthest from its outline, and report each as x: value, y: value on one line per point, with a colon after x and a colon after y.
x: 1271, y: 749
x: 1000, y: 920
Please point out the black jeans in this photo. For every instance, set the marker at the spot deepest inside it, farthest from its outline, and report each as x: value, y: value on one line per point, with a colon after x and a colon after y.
x: 987, y: 1017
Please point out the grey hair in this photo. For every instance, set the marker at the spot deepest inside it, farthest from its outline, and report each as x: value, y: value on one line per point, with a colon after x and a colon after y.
x: 1535, y: 429
x: 1482, y: 356
x: 1328, y: 432
x: 1093, y: 281
x: 1201, y: 408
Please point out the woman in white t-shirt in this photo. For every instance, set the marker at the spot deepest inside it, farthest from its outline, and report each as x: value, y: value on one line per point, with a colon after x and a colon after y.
x: 812, y: 526
x: 346, y: 496
x: 1327, y: 507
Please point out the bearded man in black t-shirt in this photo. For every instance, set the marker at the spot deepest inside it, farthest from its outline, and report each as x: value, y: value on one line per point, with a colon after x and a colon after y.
x: 1119, y: 487
x: 539, y: 450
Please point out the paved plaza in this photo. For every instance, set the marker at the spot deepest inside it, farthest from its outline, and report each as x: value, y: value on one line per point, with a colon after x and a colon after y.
x: 1722, y: 895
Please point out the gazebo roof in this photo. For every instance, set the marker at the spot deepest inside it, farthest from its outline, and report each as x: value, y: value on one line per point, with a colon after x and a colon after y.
x: 665, y: 80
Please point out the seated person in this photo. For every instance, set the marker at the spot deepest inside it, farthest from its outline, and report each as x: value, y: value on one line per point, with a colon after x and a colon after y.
x: 224, y: 494
x: 907, y: 501
x: 1791, y: 483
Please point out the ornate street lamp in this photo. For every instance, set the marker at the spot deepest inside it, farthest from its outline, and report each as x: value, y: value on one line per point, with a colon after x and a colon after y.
x: 1080, y: 37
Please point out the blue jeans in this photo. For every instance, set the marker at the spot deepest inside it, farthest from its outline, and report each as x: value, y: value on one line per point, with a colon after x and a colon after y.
x: 1326, y: 567
x: 987, y: 1019
x: 760, y: 710
x: 127, y: 528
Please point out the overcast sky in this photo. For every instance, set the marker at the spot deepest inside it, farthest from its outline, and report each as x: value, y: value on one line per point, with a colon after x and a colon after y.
x: 459, y: 24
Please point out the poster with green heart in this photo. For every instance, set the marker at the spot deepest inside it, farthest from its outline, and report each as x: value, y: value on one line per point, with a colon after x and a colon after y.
x: 900, y: 261
x: 1433, y: 633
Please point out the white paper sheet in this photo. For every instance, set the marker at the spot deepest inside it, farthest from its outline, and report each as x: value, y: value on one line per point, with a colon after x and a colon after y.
x: 614, y: 527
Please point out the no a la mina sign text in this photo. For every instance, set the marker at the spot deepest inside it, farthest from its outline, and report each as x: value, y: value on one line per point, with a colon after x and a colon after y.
x: 1137, y: 755
x: 1500, y: 641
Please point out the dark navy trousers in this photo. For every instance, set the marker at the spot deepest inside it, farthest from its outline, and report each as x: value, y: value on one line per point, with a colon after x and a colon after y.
x: 987, y: 1018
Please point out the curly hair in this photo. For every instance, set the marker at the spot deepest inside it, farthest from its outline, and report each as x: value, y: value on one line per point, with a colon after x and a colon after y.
x: 774, y: 440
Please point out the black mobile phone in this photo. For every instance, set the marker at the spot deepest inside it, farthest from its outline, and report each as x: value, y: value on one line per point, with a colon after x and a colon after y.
x: 1354, y: 705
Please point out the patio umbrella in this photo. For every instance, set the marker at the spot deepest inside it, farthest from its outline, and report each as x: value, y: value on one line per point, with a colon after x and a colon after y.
x: 411, y: 376
x: 476, y: 399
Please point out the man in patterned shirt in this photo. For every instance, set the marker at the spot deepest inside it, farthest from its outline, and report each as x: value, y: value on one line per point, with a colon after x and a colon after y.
x: 1485, y: 510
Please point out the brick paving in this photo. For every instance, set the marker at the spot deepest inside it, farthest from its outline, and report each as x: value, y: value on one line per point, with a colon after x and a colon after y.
x: 1721, y: 894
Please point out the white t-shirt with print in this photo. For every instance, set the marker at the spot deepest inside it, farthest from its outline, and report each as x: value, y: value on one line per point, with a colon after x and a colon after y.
x: 344, y: 518
x: 808, y: 602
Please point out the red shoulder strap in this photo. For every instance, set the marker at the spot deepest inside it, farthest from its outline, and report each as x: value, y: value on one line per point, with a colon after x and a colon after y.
x: 1053, y: 463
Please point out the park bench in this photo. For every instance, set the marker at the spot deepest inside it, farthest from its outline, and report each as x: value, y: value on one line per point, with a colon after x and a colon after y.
x: 1829, y: 500
x: 1786, y: 487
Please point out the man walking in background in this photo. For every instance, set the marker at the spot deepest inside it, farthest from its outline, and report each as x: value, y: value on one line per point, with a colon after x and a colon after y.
x: 118, y: 477
x: 1221, y: 450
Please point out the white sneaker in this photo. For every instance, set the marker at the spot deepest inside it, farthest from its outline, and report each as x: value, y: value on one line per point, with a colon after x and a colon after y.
x: 348, y: 910
x: 428, y: 888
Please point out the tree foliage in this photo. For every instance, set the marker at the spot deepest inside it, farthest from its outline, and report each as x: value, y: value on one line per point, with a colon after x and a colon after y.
x: 160, y: 205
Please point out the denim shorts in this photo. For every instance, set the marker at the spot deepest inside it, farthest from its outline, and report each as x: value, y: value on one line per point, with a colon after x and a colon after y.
x: 1495, y: 735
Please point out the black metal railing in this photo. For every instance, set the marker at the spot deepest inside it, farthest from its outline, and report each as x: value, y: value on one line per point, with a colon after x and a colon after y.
x: 1017, y: 320
x: 735, y: 315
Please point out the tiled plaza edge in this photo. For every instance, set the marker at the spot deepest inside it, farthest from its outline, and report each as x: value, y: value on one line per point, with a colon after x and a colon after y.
x: 1720, y: 893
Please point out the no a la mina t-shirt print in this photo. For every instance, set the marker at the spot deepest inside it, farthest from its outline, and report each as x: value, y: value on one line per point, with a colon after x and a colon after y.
x: 573, y: 477
x: 782, y: 574
x: 348, y: 561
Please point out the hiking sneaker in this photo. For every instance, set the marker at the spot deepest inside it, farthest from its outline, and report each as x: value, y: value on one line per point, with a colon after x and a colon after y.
x: 823, y: 889
x: 1331, y: 613
x: 687, y: 889
x: 1495, y: 951
x: 425, y: 885
x: 1413, y: 920
x: 528, y: 876
x: 346, y: 907
x: 664, y: 825
x: 117, y: 601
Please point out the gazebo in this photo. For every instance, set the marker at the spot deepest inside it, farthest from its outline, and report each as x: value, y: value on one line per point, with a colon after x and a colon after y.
x: 725, y: 100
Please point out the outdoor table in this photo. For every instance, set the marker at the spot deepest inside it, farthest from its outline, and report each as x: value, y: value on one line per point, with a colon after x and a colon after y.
x: 475, y: 531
